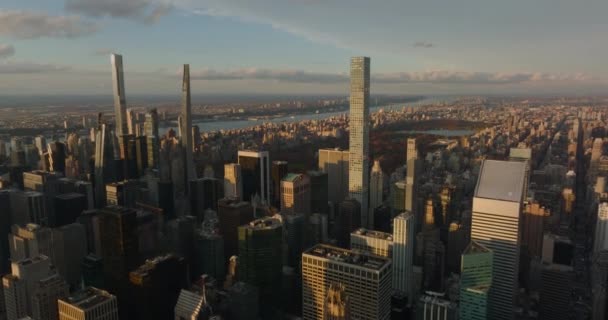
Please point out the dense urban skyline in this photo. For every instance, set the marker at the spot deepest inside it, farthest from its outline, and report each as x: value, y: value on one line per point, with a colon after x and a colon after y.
x: 473, y: 47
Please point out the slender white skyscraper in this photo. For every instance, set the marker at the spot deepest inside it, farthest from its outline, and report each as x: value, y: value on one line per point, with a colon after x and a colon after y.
x: 120, y: 103
x: 186, y: 125
x: 497, y: 207
x: 358, y: 183
x: 403, y: 253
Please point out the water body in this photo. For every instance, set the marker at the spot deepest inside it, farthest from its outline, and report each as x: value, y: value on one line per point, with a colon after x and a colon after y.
x: 209, y: 126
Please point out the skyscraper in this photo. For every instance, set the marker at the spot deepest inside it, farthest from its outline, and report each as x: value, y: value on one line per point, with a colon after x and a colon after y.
x: 600, y: 242
x: 358, y: 168
x: 104, y: 160
x: 232, y: 214
x: 186, y: 125
x: 319, y: 201
x: 260, y: 251
x: 255, y: 168
x: 233, y: 183
x: 433, y: 306
x: 334, y: 162
x: 475, y: 281
x: 376, y: 189
x: 497, y: 206
x: 295, y: 194
x: 557, y: 277
x: 89, y: 304
x: 410, y: 179
x: 120, y: 103
x: 403, y: 253
x: 366, y: 280
x: 278, y: 171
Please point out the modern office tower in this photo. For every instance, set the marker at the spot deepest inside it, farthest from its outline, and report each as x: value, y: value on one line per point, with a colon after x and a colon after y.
x: 5, y: 228
x: 119, y: 247
x: 57, y: 155
x: 336, y: 303
x: 366, y: 280
x: 295, y: 194
x: 318, y: 229
x: 403, y: 253
x: 432, y: 254
x: 190, y: 306
x: 209, y: 254
x: 475, y: 281
x: 432, y: 306
x: 278, y: 171
x: 372, y: 242
x: 29, y: 207
x: 533, y: 228
x: 334, y: 162
x: 131, y: 121
x: 233, y: 183
x: 44, y: 298
x: 124, y: 193
x: 104, y: 163
x: 88, y: 304
x: 319, y: 201
x: 255, y: 168
x: 186, y: 125
x: 25, y: 287
x: 294, y: 232
x: 557, y: 277
x: 157, y: 285
x: 600, y: 242
x: 166, y: 200
x: 151, y: 133
x: 29, y: 241
x: 69, y: 249
x: 92, y: 271
x: 204, y: 195
x: 128, y: 156
x: 458, y: 239
x: 348, y: 219
x: 141, y: 155
x: 260, y: 251
x: 398, y: 196
x: 525, y: 155
x: 180, y: 232
x: 376, y: 187
x: 497, y: 206
x: 67, y: 209
x: 358, y: 168
x: 120, y: 103
x: 232, y: 214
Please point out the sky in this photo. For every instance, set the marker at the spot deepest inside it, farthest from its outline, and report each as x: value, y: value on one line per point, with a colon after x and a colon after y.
x: 304, y: 46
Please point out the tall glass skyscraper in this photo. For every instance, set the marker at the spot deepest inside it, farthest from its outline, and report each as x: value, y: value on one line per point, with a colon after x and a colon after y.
x: 120, y: 102
x: 358, y: 183
x: 475, y: 281
x: 186, y: 125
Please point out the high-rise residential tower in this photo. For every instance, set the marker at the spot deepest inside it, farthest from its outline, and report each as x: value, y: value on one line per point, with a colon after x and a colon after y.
x: 403, y: 253
x: 295, y: 194
x: 600, y: 242
x: 120, y: 103
x: 233, y: 184
x: 497, y: 207
x: 334, y: 162
x: 358, y: 183
x: 186, y: 125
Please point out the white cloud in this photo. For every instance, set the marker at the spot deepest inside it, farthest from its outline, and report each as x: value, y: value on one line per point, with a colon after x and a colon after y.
x: 31, y: 68
x: 146, y: 11
x: 31, y: 25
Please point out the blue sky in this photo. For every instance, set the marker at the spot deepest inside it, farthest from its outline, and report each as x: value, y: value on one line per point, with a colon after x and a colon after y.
x: 303, y: 46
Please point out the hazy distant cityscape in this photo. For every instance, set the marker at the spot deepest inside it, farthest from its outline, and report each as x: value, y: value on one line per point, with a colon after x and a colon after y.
x: 455, y: 167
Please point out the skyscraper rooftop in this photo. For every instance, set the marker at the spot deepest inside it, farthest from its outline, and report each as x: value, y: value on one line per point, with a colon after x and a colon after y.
x: 348, y: 257
x: 501, y: 180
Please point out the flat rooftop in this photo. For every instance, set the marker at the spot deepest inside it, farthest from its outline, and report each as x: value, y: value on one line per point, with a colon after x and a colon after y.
x: 88, y: 298
x: 264, y: 223
x: 348, y: 257
x: 373, y: 234
x: 501, y: 180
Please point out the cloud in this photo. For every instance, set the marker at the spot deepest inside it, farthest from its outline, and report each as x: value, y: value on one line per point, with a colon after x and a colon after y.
x: 428, y: 77
x: 144, y: 11
x: 31, y: 68
x: 32, y: 25
x: 423, y: 44
x: 6, y: 50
